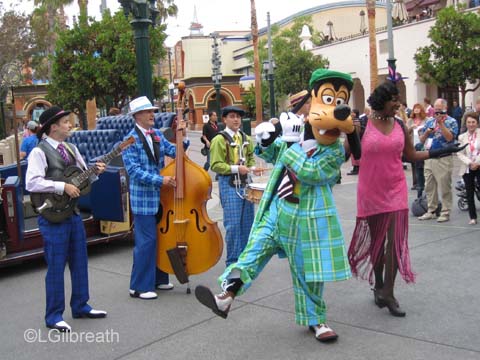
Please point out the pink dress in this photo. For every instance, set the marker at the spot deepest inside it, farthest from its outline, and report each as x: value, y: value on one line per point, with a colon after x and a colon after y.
x: 381, y: 198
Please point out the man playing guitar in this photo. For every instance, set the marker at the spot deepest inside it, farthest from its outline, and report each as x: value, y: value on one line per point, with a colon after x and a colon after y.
x: 66, y: 240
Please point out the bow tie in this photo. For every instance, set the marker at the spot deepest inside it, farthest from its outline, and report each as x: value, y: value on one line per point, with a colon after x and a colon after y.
x: 150, y: 132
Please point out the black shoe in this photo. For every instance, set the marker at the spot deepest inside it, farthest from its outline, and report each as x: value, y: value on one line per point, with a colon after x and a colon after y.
x: 391, y: 303
x: 92, y: 314
x: 353, y: 172
x: 61, y: 326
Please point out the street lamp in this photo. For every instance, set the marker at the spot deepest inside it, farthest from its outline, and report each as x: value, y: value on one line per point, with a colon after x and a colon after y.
x: 143, y: 17
x: 216, y: 73
x: 392, y: 70
x: 271, y: 65
x: 171, y: 86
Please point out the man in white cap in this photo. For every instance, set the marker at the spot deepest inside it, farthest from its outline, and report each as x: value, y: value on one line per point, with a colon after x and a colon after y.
x: 143, y: 162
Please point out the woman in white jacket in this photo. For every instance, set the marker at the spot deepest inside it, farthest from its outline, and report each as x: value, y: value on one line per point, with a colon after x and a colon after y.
x: 470, y: 157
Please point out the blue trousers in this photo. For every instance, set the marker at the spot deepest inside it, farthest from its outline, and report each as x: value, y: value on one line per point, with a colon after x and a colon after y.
x: 145, y: 274
x: 237, y: 219
x: 64, y: 242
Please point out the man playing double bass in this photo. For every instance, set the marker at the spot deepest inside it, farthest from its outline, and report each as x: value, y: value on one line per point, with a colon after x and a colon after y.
x: 143, y: 162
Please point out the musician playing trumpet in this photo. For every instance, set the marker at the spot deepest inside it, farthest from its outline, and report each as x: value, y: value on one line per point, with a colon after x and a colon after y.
x: 66, y: 240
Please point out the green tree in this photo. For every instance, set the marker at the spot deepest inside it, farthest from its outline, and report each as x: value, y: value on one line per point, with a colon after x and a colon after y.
x: 293, y: 66
x: 453, y: 58
x: 98, y: 61
x: 15, y: 37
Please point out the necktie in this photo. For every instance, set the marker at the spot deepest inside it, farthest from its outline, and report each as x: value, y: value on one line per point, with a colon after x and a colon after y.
x: 236, y: 149
x: 63, y: 153
x: 150, y: 132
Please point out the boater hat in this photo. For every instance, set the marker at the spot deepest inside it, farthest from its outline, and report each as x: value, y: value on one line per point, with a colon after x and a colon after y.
x: 296, y: 98
x: 48, y: 117
x: 140, y: 104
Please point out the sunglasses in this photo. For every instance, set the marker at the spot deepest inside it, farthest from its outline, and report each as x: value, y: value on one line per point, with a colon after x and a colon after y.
x: 441, y: 112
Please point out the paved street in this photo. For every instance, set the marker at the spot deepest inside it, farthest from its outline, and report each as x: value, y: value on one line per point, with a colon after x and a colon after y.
x: 442, y: 321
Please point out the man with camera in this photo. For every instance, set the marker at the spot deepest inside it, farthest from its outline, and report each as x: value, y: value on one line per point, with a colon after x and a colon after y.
x: 441, y: 131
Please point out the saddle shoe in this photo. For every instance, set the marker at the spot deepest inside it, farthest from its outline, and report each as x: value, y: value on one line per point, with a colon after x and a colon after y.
x: 324, y: 333
x: 92, y: 314
x: 61, y: 326
x: 219, y: 304
x: 168, y: 286
x: 148, y: 295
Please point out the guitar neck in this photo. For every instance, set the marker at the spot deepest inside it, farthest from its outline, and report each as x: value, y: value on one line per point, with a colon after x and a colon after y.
x: 80, y: 178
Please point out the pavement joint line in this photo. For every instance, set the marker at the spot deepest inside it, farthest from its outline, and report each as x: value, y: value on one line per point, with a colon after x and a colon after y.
x: 406, y: 337
x: 144, y: 346
x: 435, y: 241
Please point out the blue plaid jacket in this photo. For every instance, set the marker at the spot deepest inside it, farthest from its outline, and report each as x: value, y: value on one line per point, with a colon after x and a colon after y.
x: 144, y: 173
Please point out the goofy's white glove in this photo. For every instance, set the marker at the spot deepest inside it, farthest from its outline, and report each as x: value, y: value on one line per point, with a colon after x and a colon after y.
x: 292, y: 126
x: 266, y: 133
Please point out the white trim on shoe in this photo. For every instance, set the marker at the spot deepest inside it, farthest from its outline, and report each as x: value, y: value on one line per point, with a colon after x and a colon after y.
x: 323, y: 333
x: 168, y: 286
x: 61, y: 326
x: 148, y: 295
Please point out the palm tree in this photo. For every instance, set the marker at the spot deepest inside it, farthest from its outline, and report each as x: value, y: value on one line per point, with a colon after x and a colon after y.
x: 372, y: 44
x: 256, y: 63
x: 166, y: 8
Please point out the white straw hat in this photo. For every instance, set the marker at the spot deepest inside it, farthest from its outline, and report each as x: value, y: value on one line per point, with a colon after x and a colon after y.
x: 139, y: 104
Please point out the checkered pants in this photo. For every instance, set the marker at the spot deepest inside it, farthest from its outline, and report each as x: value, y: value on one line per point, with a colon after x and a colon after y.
x: 237, y: 219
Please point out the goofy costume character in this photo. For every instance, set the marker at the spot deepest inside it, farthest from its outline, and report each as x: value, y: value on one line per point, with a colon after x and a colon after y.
x: 297, y: 217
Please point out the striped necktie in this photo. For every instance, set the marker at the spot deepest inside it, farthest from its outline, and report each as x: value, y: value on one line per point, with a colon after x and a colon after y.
x: 63, y: 153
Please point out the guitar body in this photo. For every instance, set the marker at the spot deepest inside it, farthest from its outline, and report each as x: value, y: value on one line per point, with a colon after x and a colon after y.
x: 63, y: 205
x: 56, y: 208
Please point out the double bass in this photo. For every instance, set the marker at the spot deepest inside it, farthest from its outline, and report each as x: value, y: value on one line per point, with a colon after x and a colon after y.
x: 189, y: 242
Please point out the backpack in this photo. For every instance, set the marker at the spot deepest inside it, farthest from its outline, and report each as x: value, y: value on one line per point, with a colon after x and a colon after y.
x: 420, y: 206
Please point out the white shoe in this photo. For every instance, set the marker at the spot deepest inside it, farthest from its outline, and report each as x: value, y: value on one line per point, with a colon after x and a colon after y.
x: 443, y: 217
x: 61, y: 326
x: 148, y: 295
x: 428, y: 216
x: 219, y: 303
x: 168, y: 286
x: 323, y: 333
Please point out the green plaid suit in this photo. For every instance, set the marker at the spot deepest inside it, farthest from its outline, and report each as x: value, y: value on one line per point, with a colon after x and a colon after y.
x: 308, y: 233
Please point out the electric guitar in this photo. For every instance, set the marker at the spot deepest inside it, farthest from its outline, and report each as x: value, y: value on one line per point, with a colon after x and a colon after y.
x: 56, y: 208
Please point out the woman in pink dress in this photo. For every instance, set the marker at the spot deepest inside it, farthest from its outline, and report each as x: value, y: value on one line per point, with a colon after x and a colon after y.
x: 379, y: 246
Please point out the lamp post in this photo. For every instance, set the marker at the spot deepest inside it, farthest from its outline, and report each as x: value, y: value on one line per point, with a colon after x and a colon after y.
x: 143, y: 17
x: 363, y: 27
x: 392, y: 70
x: 216, y: 74
x: 171, y: 86
x: 270, y: 76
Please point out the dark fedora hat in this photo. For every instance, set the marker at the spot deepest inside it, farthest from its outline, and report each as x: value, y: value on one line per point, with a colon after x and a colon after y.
x: 228, y: 109
x: 48, y: 117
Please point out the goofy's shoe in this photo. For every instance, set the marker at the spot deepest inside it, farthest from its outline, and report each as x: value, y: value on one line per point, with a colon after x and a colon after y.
x: 220, y: 303
x: 324, y: 333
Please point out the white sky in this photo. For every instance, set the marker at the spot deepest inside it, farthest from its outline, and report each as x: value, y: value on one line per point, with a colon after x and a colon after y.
x: 212, y: 14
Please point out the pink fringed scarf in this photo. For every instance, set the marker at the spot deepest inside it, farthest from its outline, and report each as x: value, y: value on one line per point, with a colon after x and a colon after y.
x: 368, y: 241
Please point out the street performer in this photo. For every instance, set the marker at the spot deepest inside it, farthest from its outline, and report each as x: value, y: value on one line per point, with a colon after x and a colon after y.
x: 231, y: 156
x: 297, y: 217
x: 64, y: 241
